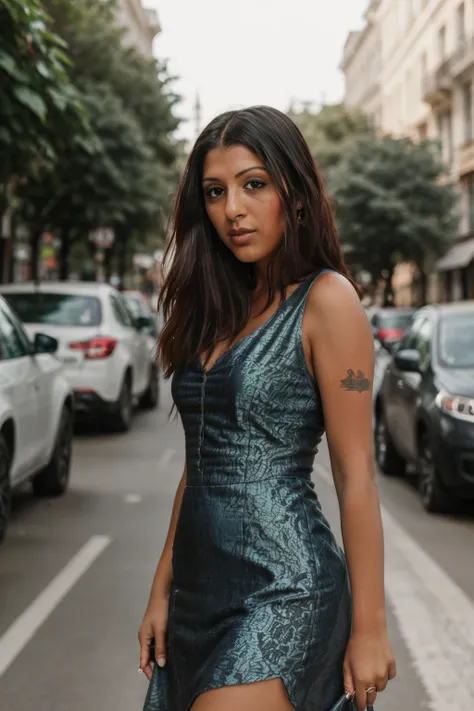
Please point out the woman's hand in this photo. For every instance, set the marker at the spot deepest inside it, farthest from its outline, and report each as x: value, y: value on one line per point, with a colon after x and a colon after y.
x: 369, y: 663
x: 153, y: 628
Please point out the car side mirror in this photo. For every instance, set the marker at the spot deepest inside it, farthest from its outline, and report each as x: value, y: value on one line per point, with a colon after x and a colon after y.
x: 141, y: 322
x: 407, y: 360
x: 45, y: 344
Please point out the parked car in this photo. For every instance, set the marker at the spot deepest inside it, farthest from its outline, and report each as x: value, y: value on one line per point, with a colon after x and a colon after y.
x: 390, y: 324
x: 139, y: 306
x: 36, y: 414
x: 105, y: 351
x: 425, y: 408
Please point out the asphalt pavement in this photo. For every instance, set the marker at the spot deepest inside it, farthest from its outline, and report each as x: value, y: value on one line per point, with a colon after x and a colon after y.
x: 75, y: 575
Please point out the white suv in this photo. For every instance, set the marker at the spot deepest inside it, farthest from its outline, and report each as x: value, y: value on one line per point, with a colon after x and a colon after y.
x: 105, y: 351
x: 36, y: 414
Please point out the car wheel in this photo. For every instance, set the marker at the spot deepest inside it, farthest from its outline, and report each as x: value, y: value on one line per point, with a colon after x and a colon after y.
x: 433, y: 494
x: 151, y: 396
x: 387, y: 457
x: 53, y: 480
x: 5, y: 487
x: 122, y: 417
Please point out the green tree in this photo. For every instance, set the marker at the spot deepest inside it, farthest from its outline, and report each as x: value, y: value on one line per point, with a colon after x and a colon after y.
x: 393, y: 204
x: 129, y: 104
x: 38, y: 103
x: 118, y: 186
x: 332, y: 133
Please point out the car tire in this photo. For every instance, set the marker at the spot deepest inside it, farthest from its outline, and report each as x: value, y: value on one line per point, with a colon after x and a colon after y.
x: 388, y: 459
x: 5, y: 487
x: 150, y: 398
x: 122, y: 411
x: 53, y: 480
x: 434, y: 496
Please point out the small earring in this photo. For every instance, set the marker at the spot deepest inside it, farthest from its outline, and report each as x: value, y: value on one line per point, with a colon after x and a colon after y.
x: 299, y: 215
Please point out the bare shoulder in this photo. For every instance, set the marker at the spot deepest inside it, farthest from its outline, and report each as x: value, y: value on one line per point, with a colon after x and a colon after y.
x: 333, y: 298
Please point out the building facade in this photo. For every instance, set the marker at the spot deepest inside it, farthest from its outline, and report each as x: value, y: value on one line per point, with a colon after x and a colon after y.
x: 421, y: 85
x: 140, y: 23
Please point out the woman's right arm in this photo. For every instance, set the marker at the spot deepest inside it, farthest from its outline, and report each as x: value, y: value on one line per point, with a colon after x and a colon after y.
x: 155, y: 620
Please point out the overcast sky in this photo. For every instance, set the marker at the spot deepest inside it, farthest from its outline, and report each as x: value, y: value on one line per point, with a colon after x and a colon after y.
x: 240, y: 52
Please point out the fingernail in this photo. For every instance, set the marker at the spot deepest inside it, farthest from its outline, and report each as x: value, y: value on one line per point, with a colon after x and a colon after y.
x: 161, y: 661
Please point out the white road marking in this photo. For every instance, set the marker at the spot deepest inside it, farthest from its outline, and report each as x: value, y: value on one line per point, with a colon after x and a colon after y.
x: 434, y: 615
x: 133, y: 498
x: 24, y: 628
x: 166, y: 458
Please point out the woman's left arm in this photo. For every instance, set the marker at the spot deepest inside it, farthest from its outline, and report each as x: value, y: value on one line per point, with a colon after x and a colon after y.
x: 339, y: 343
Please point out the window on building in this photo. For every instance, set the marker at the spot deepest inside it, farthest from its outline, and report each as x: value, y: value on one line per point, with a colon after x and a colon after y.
x: 442, y: 43
x: 445, y: 135
x: 467, y: 111
x: 461, y: 23
x: 469, y: 203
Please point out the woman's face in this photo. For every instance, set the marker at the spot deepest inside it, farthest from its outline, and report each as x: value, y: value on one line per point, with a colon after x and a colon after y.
x: 243, y: 203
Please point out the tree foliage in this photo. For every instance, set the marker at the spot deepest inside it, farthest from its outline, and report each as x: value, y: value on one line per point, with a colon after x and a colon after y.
x: 127, y: 182
x: 393, y: 204
x: 332, y: 133
x: 39, y: 106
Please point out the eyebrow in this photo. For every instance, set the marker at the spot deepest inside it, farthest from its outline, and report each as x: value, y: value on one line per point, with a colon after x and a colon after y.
x: 242, y: 172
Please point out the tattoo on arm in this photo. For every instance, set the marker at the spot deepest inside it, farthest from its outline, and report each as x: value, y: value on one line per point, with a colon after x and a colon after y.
x: 355, y: 382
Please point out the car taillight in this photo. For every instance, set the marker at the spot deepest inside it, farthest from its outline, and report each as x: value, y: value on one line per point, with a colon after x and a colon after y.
x: 389, y: 334
x: 95, y: 348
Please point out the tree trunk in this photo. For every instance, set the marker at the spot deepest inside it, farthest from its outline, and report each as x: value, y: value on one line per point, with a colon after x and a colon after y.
x: 423, y: 287
x: 123, y: 234
x: 388, y: 299
x: 11, y: 264
x: 64, y: 255
x: 108, y: 258
x: 35, y: 238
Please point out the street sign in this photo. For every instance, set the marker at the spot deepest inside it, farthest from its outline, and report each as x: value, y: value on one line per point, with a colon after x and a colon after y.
x: 103, y: 238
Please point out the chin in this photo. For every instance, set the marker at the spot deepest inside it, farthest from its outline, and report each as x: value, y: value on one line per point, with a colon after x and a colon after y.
x: 249, y: 254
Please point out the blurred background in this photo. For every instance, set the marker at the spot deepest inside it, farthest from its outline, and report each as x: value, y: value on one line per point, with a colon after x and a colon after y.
x: 100, y: 103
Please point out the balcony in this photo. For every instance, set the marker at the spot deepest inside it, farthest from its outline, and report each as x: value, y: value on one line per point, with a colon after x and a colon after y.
x: 438, y: 86
x: 153, y: 21
x: 463, y: 59
x: 466, y: 158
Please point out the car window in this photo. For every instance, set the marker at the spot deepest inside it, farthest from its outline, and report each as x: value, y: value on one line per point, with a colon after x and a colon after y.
x: 11, y: 342
x: 120, y: 311
x: 20, y: 329
x: 56, y: 309
x: 409, y: 339
x: 456, y: 340
x: 423, y: 342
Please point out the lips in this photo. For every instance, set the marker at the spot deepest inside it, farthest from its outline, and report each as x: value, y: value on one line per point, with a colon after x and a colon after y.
x: 242, y: 236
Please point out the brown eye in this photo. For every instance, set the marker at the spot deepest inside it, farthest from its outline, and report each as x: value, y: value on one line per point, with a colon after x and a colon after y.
x: 254, y: 184
x: 214, y: 192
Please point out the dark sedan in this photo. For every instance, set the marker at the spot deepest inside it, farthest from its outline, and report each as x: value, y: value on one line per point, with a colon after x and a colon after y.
x: 424, y: 412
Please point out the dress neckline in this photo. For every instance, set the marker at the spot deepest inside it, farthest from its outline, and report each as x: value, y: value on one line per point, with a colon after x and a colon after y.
x: 260, y: 328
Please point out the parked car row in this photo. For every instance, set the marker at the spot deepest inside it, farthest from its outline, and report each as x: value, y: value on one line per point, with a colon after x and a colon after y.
x: 68, y: 352
x: 424, y: 407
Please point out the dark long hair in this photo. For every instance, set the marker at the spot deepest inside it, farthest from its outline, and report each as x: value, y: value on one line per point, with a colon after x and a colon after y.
x: 206, y: 295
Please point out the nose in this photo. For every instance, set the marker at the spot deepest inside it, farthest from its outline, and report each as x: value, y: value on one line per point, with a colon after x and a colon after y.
x: 234, y: 206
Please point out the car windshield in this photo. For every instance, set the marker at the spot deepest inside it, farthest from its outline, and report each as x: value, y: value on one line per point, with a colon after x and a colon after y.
x: 56, y: 309
x: 456, y: 340
x: 396, y: 320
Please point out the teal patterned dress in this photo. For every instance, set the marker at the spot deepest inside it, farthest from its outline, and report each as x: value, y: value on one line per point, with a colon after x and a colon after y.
x: 260, y: 586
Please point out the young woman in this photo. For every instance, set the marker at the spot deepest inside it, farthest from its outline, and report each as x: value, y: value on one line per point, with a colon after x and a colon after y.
x: 252, y: 606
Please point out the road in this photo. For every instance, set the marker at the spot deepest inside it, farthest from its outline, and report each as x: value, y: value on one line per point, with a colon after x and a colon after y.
x: 75, y: 574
